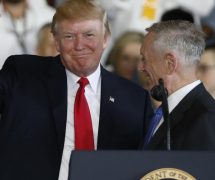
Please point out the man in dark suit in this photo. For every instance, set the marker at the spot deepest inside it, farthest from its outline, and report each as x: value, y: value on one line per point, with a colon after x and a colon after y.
x: 37, y: 96
x: 171, y: 51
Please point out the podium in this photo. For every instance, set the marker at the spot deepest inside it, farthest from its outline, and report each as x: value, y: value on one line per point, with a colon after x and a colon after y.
x: 133, y: 165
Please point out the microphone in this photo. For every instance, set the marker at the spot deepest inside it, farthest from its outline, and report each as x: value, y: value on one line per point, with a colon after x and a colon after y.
x: 160, y: 93
x: 158, y: 90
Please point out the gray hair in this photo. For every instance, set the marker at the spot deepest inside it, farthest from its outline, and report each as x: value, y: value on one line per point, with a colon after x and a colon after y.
x: 182, y: 37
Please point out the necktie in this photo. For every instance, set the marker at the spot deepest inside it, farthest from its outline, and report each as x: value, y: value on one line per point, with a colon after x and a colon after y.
x: 154, y: 123
x: 82, y: 119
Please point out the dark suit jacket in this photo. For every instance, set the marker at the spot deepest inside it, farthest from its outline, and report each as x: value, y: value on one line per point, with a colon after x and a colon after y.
x: 33, y: 105
x: 192, y: 124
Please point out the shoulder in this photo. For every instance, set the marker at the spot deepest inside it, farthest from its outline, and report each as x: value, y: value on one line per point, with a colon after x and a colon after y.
x: 119, y: 83
x: 199, y: 103
x: 30, y: 63
x: 206, y: 102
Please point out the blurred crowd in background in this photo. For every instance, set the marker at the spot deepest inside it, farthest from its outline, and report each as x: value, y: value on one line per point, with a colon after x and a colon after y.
x: 25, y: 29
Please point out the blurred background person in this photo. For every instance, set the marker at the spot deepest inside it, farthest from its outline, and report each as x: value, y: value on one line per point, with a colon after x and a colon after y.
x: 206, y: 69
x: 125, y: 54
x: 46, y: 44
x: 20, y: 22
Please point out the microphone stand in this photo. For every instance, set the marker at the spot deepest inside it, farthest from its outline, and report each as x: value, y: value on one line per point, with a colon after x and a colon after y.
x: 165, y: 109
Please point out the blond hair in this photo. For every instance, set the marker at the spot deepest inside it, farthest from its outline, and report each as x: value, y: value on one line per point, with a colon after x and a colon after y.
x: 79, y: 10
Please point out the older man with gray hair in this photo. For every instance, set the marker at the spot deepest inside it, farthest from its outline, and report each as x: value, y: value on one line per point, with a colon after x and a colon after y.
x: 171, y: 51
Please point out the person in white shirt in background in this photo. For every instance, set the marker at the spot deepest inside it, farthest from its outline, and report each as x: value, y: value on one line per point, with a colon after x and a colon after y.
x: 20, y: 22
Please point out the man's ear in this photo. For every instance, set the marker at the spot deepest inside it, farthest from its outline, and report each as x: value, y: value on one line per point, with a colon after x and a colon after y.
x: 106, y: 40
x: 171, y: 63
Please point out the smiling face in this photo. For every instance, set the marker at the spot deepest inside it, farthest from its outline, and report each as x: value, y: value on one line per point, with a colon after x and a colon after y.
x: 152, y: 63
x: 81, y: 44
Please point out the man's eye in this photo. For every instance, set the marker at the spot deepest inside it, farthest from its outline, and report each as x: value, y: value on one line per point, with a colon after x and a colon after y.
x: 89, y: 35
x: 68, y: 36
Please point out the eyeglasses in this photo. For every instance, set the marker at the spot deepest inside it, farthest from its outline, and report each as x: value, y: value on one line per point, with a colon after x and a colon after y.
x: 204, y: 67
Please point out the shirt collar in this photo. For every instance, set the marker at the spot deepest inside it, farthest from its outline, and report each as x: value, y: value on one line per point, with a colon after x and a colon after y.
x: 178, y: 95
x: 92, y: 78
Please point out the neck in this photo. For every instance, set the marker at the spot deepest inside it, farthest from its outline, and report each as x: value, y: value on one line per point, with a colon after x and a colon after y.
x: 179, y: 82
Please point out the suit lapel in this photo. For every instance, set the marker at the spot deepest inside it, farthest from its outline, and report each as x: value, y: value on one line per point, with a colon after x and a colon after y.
x: 108, y: 95
x: 176, y: 116
x: 56, y: 85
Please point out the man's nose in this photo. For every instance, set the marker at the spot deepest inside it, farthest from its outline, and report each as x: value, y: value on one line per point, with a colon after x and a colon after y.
x: 141, y: 66
x: 78, y: 45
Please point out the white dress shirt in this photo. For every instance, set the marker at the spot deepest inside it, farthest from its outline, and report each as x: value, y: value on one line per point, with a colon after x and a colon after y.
x: 93, y: 96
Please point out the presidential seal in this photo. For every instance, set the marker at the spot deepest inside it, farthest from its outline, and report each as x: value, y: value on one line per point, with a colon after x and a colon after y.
x: 168, y: 174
